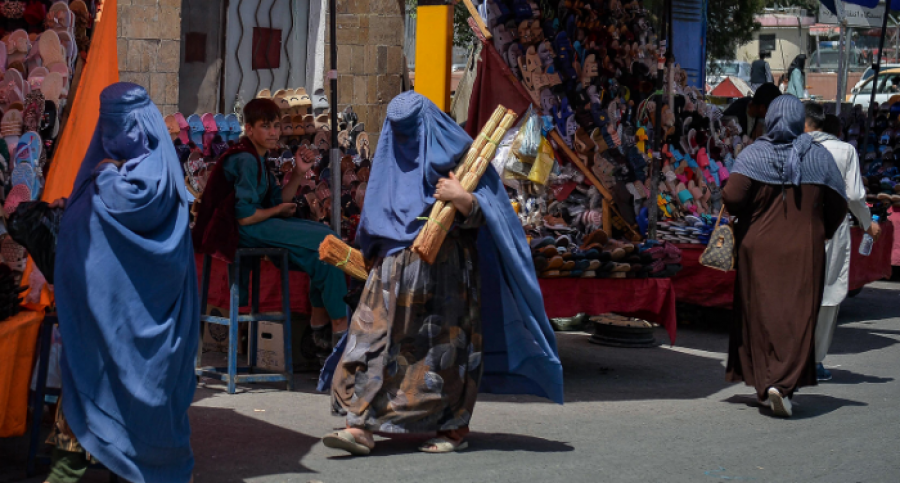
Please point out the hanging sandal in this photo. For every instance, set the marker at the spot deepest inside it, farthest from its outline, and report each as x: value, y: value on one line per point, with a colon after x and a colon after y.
x: 345, y: 440
x: 442, y: 445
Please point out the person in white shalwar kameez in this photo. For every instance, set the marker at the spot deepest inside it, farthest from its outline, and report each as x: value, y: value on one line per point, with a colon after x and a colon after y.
x: 825, y: 130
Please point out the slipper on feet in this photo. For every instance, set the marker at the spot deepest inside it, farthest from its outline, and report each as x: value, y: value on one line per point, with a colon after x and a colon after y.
x: 442, y: 445
x: 344, y: 440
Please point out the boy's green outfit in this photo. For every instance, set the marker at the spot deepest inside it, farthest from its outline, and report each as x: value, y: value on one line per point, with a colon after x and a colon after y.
x: 301, y: 238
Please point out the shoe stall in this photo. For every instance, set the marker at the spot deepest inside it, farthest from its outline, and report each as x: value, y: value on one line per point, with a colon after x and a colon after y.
x: 585, y: 79
x: 57, y: 57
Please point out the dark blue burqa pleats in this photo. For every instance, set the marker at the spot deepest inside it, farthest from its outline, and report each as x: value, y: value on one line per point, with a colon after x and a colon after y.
x: 126, y: 292
x: 419, y: 144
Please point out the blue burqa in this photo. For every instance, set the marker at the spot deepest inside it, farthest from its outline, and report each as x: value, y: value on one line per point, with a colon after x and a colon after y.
x: 126, y: 293
x: 418, y: 146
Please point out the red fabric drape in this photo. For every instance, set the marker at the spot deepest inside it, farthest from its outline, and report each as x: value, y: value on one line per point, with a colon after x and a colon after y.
x: 269, y: 287
x: 495, y: 85
x: 706, y: 287
x: 649, y: 299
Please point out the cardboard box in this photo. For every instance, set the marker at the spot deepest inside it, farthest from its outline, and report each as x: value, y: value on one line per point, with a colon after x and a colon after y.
x: 270, y: 346
x: 215, y: 336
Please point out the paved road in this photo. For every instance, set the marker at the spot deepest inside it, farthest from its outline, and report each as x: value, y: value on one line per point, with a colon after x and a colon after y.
x: 631, y: 415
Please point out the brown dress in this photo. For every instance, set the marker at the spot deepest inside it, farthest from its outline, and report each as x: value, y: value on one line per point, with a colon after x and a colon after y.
x: 780, y: 246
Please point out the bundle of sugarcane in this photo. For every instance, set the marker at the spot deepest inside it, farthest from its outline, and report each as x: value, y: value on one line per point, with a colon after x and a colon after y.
x: 469, y: 172
x: 335, y: 252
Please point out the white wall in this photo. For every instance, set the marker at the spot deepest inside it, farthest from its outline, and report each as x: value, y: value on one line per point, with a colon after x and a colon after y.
x: 789, y: 41
x: 256, y: 13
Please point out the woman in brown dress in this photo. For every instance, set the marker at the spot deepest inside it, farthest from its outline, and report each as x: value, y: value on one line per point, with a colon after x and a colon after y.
x: 788, y: 197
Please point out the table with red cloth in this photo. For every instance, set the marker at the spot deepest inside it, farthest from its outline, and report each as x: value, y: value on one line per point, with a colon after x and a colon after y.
x: 18, y: 342
x: 269, y: 287
x: 706, y: 287
x: 895, y: 251
x: 651, y: 299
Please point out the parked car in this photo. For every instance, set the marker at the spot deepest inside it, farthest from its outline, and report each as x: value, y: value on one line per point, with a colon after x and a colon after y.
x: 888, y: 86
x: 869, y: 72
x: 720, y: 69
x: 829, y: 60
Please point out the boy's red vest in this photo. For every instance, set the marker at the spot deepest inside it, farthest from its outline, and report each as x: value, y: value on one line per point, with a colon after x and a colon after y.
x: 215, y: 222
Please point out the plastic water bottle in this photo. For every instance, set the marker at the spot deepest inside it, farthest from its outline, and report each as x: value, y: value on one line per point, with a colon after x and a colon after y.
x: 865, y: 248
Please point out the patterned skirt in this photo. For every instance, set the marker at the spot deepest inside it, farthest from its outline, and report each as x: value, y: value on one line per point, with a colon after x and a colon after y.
x: 413, y: 358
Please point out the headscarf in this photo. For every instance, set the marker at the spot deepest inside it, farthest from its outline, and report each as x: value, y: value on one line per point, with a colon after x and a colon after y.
x: 786, y: 156
x: 126, y: 290
x: 799, y: 62
x: 418, y: 146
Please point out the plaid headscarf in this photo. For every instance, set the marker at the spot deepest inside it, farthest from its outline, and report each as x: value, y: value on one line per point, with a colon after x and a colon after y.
x: 786, y: 156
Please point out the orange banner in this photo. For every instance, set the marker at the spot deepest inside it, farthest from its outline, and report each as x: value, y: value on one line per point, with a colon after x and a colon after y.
x: 101, y: 69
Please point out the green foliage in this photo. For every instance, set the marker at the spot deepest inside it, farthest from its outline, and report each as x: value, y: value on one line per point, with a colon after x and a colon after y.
x: 731, y: 24
x: 462, y: 33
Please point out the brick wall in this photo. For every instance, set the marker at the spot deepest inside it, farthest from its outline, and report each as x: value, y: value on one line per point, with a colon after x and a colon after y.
x: 149, y: 38
x: 370, y: 36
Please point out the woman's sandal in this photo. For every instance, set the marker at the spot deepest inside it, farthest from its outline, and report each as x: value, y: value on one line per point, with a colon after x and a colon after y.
x: 442, y: 445
x: 345, y: 440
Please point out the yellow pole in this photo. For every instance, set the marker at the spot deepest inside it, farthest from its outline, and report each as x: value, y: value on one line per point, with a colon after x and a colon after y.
x: 434, y: 51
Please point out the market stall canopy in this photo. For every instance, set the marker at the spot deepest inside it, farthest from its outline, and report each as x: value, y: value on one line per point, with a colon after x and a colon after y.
x: 733, y: 87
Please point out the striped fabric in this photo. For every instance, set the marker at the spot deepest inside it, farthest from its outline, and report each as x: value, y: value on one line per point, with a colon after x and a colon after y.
x: 785, y: 155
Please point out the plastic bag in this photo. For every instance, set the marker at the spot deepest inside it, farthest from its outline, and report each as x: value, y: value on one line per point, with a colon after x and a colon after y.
x: 35, y: 226
x: 527, y: 143
x: 543, y: 163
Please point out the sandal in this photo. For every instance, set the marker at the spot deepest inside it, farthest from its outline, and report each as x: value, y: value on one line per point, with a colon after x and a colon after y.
x: 345, y: 440
x: 442, y: 445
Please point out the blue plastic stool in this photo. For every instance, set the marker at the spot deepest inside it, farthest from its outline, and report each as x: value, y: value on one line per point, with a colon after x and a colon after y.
x: 41, y: 391
x: 249, y: 374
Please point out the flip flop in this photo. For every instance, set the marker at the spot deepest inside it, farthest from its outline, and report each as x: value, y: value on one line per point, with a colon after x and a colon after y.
x: 221, y: 125
x: 183, y: 127
x: 172, y: 127
x: 29, y: 149
x: 52, y: 87
x: 234, y: 127
x: 17, y: 46
x: 319, y: 101
x: 442, y: 445
x: 17, y: 194
x: 34, y: 111
x: 49, y: 122
x: 210, y: 129
x: 51, y: 50
x: 344, y: 440
x: 196, y: 129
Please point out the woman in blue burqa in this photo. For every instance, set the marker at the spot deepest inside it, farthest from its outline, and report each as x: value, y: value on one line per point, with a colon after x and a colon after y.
x: 126, y: 293
x: 425, y: 338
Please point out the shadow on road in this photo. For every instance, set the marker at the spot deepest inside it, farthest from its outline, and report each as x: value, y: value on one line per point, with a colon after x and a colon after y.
x: 805, y: 406
x: 841, y: 376
x: 403, y: 444
x: 244, y: 447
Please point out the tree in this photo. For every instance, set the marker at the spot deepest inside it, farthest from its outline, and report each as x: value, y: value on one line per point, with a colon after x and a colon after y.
x: 731, y: 23
x: 462, y: 34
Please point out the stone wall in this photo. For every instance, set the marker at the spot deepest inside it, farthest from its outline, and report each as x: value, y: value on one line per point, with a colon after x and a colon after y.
x: 370, y: 36
x: 149, y: 48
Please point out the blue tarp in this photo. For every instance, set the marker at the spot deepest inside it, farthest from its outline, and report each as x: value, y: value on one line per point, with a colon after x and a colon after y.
x: 829, y: 4
x: 689, y: 39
